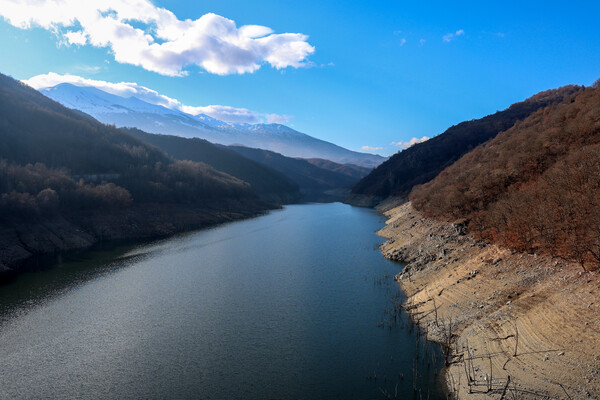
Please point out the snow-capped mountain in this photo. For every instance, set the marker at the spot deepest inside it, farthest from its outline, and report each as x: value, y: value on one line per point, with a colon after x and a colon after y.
x: 133, y: 112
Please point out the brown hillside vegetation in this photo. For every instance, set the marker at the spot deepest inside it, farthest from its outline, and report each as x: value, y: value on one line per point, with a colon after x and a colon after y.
x: 535, y: 187
x: 424, y: 161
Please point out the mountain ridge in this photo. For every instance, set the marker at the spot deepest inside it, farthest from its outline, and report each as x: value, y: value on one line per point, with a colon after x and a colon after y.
x: 532, y: 188
x: 323, y: 183
x: 125, y: 112
x: 395, y: 178
x: 270, y: 184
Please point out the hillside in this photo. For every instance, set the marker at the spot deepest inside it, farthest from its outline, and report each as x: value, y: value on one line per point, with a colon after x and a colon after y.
x: 62, y: 168
x: 266, y: 182
x: 316, y: 183
x: 424, y: 161
x: 534, y: 188
x: 134, y: 112
x: 354, y: 171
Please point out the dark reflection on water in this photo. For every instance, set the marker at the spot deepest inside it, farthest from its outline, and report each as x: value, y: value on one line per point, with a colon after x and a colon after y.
x: 298, y: 304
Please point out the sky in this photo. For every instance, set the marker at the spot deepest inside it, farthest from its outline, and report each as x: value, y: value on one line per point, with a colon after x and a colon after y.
x: 371, y: 76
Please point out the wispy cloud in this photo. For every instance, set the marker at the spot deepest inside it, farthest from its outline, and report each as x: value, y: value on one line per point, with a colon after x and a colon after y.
x: 277, y: 119
x: 129, y: 89
x: 89, y: 69
x: 451, y: 36
x: 225, y: 113
x: 140, y: 33
x: 411, y: 142
x: 370, y: 148
x: 402, y: 42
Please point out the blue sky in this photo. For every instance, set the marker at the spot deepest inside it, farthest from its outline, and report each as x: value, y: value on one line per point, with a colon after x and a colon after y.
x: 360, y: 74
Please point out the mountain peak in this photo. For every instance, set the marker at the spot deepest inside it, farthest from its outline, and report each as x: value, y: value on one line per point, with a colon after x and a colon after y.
x: 134, y: 112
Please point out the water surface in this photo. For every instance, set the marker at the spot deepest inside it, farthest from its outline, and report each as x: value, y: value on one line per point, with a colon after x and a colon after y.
x: 297, y: 304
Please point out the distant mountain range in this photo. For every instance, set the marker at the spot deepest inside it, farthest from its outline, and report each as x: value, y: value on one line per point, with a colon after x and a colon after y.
x: 133, y: 112
x: 319, y: 180
x: 274, y: 177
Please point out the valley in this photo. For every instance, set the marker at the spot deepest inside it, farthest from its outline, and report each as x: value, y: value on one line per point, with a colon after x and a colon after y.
x: 308, y: 200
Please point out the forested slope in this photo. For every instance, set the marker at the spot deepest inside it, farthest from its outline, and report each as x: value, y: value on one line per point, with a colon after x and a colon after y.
x: 535, y: 187
x: 270, y: 184
x: 57, y: 164
x: 318, y: 181
x: 423, y: 161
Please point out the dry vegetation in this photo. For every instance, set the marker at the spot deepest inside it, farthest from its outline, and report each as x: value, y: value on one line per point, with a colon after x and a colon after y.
x: 423, y: 161
x: 533, y: 188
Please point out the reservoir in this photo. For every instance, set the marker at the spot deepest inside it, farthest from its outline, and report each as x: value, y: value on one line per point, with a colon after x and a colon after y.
x: 295, y: 304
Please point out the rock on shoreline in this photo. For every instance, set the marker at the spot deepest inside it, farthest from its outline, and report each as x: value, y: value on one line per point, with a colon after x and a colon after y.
x: 502, y: 313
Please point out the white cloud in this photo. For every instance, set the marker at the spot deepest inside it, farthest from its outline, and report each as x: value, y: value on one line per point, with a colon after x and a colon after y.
x: 225, y: 113
x: 413, y: 141
x: 124, y: 89
x: 277, y: 119
x: 74, y: 37
x: 164, y: 43
x: 402, y: 42
x: 89, y: 69
x: 370, y: 148
x: 451, y: 36
x: 129, y: 89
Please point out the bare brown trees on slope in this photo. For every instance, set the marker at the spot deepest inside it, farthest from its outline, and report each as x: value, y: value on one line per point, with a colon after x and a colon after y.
x: 535, y: 187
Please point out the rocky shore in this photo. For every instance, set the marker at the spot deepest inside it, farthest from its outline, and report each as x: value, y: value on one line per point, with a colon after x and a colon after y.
x: 515, y: 326
x: 22, y: 240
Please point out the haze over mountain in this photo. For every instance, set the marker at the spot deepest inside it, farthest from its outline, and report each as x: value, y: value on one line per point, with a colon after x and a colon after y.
x: 420, y: 163
x: 323, y: 184
x: 268, y: 183
x: 274, y: 177
x: 133, y: 112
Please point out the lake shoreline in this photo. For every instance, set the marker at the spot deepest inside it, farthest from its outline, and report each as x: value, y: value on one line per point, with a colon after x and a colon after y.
x: 501, y: 313
x: 23, y: 242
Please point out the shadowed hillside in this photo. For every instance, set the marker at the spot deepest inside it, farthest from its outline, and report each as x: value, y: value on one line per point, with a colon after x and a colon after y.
x: 351, y: 170
x: 57, y: 164
x: 423, y: 161
x: 266, y: 182
x: 316, y: 183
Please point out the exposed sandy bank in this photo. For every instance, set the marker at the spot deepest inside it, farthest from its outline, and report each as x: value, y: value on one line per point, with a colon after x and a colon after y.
x: 489, y: 296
